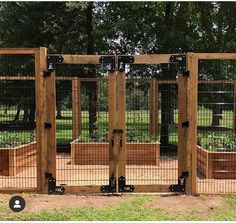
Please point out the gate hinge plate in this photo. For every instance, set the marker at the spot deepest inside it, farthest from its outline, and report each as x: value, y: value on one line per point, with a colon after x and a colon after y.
x: 123, y: 60
x: 52, y: 187
x: 180, y: 59
x: 111, y: 188
x: 110, y: 61
x: 185, y: 124
x: 52, y: 60
x: 123, y: 187
x: 180, y: 187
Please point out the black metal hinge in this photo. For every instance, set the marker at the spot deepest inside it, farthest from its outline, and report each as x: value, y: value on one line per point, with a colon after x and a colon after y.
x: 110, y: 61
x: 123, y: 60
x: 180, y: 187
x: 111, y: 188
x: 185, y: 124
x: 123, y: 187
x: 52, y: 187
x: 181, y: 60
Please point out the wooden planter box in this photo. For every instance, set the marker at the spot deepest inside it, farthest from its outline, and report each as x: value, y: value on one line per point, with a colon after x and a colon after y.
x: 14, y: 160
x: 217, y: 165
x: 98, y: 153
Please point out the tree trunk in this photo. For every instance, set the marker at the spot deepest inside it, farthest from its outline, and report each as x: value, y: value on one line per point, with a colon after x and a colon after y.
x: 216, y: 116
x: 31, y: 115
x: 92, y: 87
x: 26, y: 115
x: 59, y: 115
x: 17, y: 116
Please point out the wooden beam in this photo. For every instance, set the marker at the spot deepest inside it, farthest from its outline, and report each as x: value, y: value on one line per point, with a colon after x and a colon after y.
x: 81, y: 59
x: 18, y: 50
x: 40, y: 90
x: 17, y: 190
x: 121, y: 124
x: 51, y: 118
x: 234, y: 110
x: 215, y: 56
x: 76, y: 109
x: 191, y: 134
x: 152, y: 188
x: 152, y: 58
x: 112, y: 113
x: 153, y: 107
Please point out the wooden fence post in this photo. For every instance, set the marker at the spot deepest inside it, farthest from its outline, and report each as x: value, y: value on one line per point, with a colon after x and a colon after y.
x: 153, y: 117
x: 121, y: 107
x: 187, y: 140
x: 76, y: 108
x: 113, y: 171
x: 40, y: 89
x: 234, y: 109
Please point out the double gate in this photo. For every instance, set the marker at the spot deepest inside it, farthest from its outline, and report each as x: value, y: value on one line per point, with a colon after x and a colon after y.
x: 112, y: 136
x: 129, y: 158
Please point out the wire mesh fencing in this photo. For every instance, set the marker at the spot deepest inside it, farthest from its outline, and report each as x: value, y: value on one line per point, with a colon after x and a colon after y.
x: 18, y: 149
x: 216, y: 150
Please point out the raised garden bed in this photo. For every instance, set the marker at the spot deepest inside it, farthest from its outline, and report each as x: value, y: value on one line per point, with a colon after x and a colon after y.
x: 216, y: 165
x: 97, y: 153
x: 16, y: 159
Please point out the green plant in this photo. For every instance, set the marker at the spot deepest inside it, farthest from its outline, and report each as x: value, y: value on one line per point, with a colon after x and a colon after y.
x: 220, y: 143
x: 13, y: 139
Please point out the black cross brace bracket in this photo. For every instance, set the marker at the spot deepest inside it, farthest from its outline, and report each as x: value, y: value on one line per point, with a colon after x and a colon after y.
x: 180, y: 187
x: 52, y: 60
x: 181, y: 60
x: 110, y: 61
x: 111, y: 188
x: 123, y: 60
x: 52, y: 186
x: 123, y: 187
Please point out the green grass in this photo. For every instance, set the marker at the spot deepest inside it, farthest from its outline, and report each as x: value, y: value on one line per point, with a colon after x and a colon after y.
x: 137, y: 123
x: 136, y: 209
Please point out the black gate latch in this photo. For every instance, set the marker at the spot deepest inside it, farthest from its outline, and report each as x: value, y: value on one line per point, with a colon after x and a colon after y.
x: 52, y: 188
x: 123, y: 187
x: 181, y: 60
x: 111, y: 188
x: 180, y: 187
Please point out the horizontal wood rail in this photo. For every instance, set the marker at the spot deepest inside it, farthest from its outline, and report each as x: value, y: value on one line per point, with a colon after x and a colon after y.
x: 18, y: 50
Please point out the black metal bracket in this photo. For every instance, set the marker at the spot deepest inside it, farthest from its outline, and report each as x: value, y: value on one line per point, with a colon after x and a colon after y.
x: 185, y: 124
x: 52, y: 60
x: 123, y: 60
x: 111, y: 188
x: 110, y: 61
x: 180, y: 59
x: 180, y: 187
x: 123, y: 187
x: 52, y: 186
x: 47, y: 125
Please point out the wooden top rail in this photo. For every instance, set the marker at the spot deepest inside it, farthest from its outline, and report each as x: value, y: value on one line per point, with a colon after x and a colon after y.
x: 18, y: 50
x: 138, y: 59
x: 215, y: 56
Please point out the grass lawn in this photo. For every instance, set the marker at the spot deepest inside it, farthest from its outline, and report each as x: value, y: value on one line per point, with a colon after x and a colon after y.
x: 138, y: 208
x: 137, y: 123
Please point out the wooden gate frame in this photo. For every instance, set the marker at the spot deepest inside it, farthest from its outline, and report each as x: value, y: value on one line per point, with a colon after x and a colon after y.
x: 187, y: 111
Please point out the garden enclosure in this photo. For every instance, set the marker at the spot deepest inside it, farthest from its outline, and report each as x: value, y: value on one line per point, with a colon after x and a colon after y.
x: 117, y: 123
